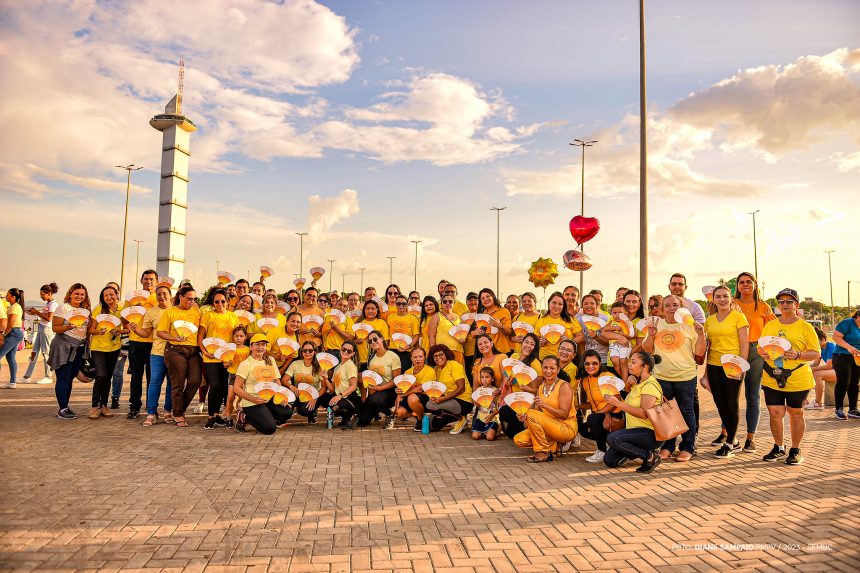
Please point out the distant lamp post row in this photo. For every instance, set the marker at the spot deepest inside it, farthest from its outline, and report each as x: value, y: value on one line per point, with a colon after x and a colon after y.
x: 129, y: 168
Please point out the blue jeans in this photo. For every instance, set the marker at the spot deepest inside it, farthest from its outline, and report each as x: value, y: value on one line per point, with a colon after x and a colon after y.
x: 752, y: 388
x: 10, y: 349
x: 118, y: 374
x: 685, y: 394
x: 629, y: 443
x: 65, y: 374
x: 42, y: 344
x: 153, y: 390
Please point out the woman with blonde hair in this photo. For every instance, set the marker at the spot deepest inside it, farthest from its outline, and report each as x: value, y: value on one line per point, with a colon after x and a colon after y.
x: 67, y: 349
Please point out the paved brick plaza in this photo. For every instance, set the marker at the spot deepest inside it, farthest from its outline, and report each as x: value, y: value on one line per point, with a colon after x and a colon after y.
x: 112, y: 495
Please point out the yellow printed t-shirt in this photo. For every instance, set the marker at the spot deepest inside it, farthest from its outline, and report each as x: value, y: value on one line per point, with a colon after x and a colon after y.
x: 242, y: 352
x: 171, y: 315
x: 219, y: 326
x: 363, y: 347
x: 150, y: 320
x: 723, y: 336
x: 385, y: 365
x: 648, y: 387
x: 676, y: 345
x: 521, y: 317
x: 449, y: 374
x: 254, y: 329
x: 342, y: 375
x: 318, y: 312
x: 407, y: 324
x: 149, y: 303
x: 427, y: 374
x: 570, y: 329
x: 103, y: 342
x: 246, y: 372
x: 802, y: 337
x: 495, y: 365
x: 299, y: 373
x: 443, y: 337
x: 331, y: 338
x: 757, y: 317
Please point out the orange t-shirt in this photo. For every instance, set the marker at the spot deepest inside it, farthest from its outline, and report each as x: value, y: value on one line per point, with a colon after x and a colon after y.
x: 757, y: 317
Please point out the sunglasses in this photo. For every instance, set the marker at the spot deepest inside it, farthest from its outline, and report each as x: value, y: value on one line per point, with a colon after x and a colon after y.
x: 292, y: 298
x: 400, y: 304
x: 324, y: 300
x: 374, y: 340
x: 219, y: 302
x: 346, y: 350
x: 307, y: 350
x: 448, y: 301
x: 592, y: 364
x: 786, y: 301
x: 393, y: 292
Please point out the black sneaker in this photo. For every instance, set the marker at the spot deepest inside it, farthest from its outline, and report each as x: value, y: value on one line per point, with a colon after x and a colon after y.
x: 228, y: 423
x: 649, y: 466
x: 133, y: 415
x: 417, y: 427
x: 114, y: 403
x: 220, y: 422
x: 388, y: 423
x: 795, y: 458
x: 776, y: 453
x: 721, y: 439
x: 749, y: 445
x: 840, y: 415
x: 210, y: 424
x: 348, y: 426
x: 240, y: 427
x: 312, y: 419
x: 725, y: 451
x: 854, y: 413
x: 66, y: 414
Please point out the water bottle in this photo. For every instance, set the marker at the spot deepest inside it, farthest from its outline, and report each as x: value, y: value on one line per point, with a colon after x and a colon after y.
x: 425, y: 424
x: 329, y: 422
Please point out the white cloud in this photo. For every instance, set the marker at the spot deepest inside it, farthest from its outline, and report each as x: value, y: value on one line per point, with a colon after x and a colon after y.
x: 325, y: 212
x: 846, y: 162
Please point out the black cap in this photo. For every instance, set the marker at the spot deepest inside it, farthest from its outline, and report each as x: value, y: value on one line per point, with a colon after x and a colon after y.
x: 790, y: 292
x: 472, y: 295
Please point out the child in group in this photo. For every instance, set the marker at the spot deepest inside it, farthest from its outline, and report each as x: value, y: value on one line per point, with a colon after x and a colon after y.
x: 240, y: 335
x: 485, y: 421
x: 621, y: 344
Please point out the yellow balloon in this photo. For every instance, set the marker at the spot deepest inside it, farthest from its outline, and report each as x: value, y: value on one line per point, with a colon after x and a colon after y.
x: 542, y: 273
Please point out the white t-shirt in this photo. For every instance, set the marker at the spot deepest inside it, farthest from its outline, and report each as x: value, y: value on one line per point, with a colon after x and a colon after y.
x: 79, y: 332
x: 50, y: 306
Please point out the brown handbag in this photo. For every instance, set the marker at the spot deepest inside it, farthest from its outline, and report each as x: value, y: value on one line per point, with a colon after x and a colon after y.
x: 613, y: 424
x: 667, y: 420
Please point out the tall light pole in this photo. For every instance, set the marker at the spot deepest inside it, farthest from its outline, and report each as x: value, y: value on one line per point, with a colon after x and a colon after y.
x: 498, y: 211
x: 217, y: 266
x: 415, y: 287
x: 390, y: 269
x: 137, y: 258
x: 343, y: 283
x: 129, y: 168
x: 301, y: 251
x: 830, y: 273
x: 330, y: 272
x: 755, y: 246
x: 361, y: 288
x: 583, y: 145
x: 643, y: 162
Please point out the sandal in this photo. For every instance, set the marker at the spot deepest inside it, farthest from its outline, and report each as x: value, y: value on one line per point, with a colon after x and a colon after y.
x: 536, y: 460
x: 150, y: 420
x: 167, y: 417
x: 664, y: 454
x: 684, y: 457
x: 181, y: 423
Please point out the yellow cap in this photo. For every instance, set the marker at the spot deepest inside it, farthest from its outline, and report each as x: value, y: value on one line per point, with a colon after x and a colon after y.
x: 259, y: 338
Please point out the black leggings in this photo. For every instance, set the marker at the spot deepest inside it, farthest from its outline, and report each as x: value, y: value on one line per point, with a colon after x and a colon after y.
x: 593, y: 430
x: 847, y: 380
x: 511, y: 425
x: 104, y: 364
x: 265, y: 418
x: 216, y: 376
x: 377, y: 403
x: 346, y: 407
x: 322, y: 402
x: 727, y: 395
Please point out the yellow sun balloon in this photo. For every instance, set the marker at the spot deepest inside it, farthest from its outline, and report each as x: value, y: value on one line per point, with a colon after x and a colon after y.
x: 542, y: 273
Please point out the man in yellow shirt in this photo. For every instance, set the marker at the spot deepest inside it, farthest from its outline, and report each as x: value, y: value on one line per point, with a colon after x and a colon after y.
x: 460, y: 307
x: 140, y: 347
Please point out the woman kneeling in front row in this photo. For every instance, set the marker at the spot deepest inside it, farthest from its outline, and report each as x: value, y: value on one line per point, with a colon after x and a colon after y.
x: 264, y: 415
x: 637, y: 440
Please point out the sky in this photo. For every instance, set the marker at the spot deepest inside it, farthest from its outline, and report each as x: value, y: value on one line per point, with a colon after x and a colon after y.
x: 369, y: 124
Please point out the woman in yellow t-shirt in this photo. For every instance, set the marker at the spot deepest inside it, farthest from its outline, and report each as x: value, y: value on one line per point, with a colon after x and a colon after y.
x: 217, y: 323
x: 551, y: 419
x: 789, y: 393
x: 158, y: 370
x: 380, y: 397
x: 728, y: 333
x: 529, y: 315
x: 486, y: 356
x: 529, y: 355
x: 637, y: 440
x: 181, y: 354
x: 269, y: 310
x: 453, y: 405
x: 307, y: 370
x: 557, y: 314
x: 429, y: 308
x: 335, y: 334
x: 412, y: 402
x: 440, y: 325
x: 392, y: 291
x: 105, y: 346
x: 346, y: 400
x: 370, y: 315
x: 401, y: 321
x: 263, y: 415
x: 289, y: 330
x: 469, y: 344
x: 500, y: 318
x: 13, y: 333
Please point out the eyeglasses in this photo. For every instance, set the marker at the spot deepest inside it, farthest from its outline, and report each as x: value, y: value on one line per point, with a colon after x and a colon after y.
x: 675, y: 284
x: 592, y: 364
x: 448, y: 301
x: 346, y: 350
x: 393, y: 292
x: 307, y: 350
x: 400, y: 303
x: 293, y: 298
x: 786, y: 301
x: 219, y: 302
x: 373, y: 340
x: 325, y: 300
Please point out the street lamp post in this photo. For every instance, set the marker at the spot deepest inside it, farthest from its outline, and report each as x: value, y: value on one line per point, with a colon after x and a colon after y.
x: 849, y: 293
x: 301, y: 251
x: 583, y: 145
x: 415, y: 287
x: 390, y: 269
x: 643, y: 162
x: 755, y: 246
x: 830, y: 273
x: 330, y: 272
x: 137, y: 258
x: 129, y: 168
x: 343, y: 283
x: 498, y: 211
x: 361, y: 288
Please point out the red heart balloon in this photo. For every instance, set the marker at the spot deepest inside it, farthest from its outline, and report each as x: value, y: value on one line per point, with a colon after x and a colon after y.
x: 583, y: 229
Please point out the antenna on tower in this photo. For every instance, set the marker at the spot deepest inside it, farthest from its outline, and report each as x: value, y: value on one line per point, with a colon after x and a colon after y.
x: 181, y: 84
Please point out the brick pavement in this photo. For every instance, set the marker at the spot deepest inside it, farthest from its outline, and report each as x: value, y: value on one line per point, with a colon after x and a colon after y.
x: 110, y: 495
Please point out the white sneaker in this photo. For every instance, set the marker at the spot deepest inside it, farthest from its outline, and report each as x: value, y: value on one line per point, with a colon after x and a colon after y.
x: 198, y: 409
x: 458, y: 426
x: 45, y: 381
x: 577, y: 441
x: 565, y: 446
x: 25, y: 380
x: 8, y: 386
x: 815, y: 406
x: 596, y: 458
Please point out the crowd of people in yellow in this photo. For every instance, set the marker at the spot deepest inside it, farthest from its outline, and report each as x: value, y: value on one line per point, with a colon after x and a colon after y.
x: 607, y: 371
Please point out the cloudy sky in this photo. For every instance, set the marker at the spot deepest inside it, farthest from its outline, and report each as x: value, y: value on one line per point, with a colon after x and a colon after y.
x: 372, y: 123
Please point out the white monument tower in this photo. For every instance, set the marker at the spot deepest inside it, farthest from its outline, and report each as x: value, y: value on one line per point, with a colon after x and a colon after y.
x: 173, y: 197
